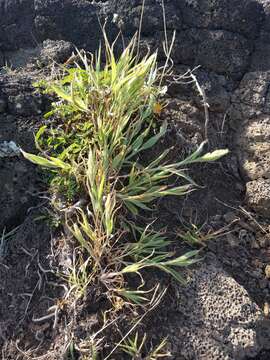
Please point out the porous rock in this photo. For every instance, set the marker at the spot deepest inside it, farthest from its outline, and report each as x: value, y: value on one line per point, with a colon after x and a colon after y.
x: 21, y: 116
x: 18, y: 183
x: 216, y: 87
x: 258, y: 196
x: 243, y: 17
x: 217, y: 319
x: 20, y: 95
x: 223, y: 52
x: 219, y: 50
x: 252, y: 98
x: 22, y: 57
x: 74, y: 21
x: 251, y: 117
x: 261, y: 55
x: 55, y: 51
x: 254, y: 147
x: 209, y: 33
x: 25, y: 104
x: 260, y: 59
x: 16, y: 24
x: 127, y: 16
x: 46, y: 53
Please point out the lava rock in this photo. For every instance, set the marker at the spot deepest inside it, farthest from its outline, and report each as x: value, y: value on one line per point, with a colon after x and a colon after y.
x: 215, y: 316
x: 74, y: 21
x: 220, y: 51
x: 127, y: 16
x: 260, y: 60
x: 18, y: 184
x: 55, y: 51
x: 266, y: 7
x: 254, y: 148
x: 25, y: 104
x: 19, y: 180
x: 21, y: 96
x: 17, y: 24
x: 216, y: 87
x: 209, y: 33
x: 224, y: 52
x: 258, y: 196
x: 253, y: 96
x: 243, y: 17
x: 251, y: 112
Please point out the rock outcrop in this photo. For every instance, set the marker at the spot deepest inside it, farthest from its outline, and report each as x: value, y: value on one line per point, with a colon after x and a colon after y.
x: 216, y: 318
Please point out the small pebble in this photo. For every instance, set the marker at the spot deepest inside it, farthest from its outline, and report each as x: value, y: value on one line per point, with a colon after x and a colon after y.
x: 267, y: 271
x: 255, y: 245
x: 266, y: 309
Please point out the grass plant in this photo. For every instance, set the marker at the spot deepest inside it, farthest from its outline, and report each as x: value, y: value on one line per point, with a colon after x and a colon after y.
x: 134, y: 348
x: 92, y: 146
x: 100, y: 126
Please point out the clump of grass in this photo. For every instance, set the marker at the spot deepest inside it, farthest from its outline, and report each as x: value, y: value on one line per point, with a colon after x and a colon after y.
x: 133, y: 346
x: 104, y: 119
x: 195, y: 235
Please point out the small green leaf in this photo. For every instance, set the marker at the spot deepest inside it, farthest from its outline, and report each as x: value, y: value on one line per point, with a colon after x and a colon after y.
x: 61, y: 93
x: 213, y: 156
x: 40, y: 132
x: 52, y: 162
x: 154, y: 139
x: 133, y: 268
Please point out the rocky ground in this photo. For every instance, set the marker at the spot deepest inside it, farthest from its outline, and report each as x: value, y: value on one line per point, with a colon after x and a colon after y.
x: 223, y: 312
